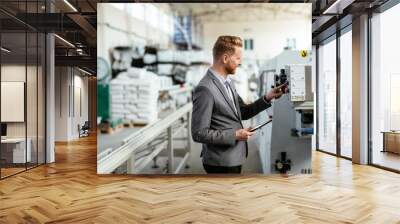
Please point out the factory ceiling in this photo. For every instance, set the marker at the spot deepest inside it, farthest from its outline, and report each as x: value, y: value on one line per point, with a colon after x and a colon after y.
x: 249, y: 12
x: 75, y: 20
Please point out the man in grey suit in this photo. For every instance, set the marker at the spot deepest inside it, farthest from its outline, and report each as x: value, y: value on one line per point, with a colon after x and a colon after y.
x: 218, y: 111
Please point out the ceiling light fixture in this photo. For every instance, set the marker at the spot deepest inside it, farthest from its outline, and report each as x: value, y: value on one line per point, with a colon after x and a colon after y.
x: 79, y: 51
x: 70, y: 5
x: 64, y: 40
x: 86, y: 72
x: 337, y: 7
x: 5, y: 50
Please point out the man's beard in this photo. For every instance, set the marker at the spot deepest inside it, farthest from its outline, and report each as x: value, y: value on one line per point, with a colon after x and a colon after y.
x: 230, y: 70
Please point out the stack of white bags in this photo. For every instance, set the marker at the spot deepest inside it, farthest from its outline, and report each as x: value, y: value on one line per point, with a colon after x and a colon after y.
x: 134, y: 96
x: 171, y: 56
x: 165, y: 82
x: 168, y: 58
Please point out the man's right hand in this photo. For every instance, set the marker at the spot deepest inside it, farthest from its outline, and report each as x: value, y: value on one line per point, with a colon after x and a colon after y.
x: 243, y: 134
x: 277, y: 92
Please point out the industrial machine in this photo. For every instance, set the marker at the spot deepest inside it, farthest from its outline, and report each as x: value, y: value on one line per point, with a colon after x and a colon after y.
x: 285, y: 145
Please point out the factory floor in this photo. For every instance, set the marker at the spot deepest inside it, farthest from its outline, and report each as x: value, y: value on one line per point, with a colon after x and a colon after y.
x: 251, y: 166
x: 70, y: 191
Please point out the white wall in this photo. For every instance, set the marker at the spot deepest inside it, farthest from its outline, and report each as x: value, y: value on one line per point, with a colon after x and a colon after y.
x: 69, y: 84
x: 81, y: 84
x: 116, y: 27
x: 61, y: 103
x: 33, y: 126
x: 14, y: 73
x: 17, y: 73
x: 269, y: 36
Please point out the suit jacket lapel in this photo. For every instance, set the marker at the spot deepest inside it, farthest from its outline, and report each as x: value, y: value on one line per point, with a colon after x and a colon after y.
x: 223, y: 92
x: 235, y: 96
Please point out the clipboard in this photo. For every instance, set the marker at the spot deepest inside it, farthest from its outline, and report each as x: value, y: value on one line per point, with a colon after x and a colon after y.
x: 260, y: 126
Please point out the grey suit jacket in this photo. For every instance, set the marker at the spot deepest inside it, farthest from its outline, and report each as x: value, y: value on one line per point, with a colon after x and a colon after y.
x: 214, y: 122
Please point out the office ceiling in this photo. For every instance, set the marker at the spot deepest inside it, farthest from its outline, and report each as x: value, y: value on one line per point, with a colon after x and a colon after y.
x: 76, y: 25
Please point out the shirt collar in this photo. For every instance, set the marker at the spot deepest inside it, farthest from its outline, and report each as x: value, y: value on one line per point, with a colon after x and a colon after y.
x: 220, y: 77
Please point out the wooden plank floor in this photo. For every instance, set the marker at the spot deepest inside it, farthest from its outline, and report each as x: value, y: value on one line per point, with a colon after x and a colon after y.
x: 69, y: 191
x: 8, y: 171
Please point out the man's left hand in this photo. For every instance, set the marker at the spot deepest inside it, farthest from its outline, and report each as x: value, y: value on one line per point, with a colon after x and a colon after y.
x: 277, y: 92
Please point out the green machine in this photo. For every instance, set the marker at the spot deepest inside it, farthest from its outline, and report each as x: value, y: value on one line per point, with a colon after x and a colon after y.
x: 103, y: 93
